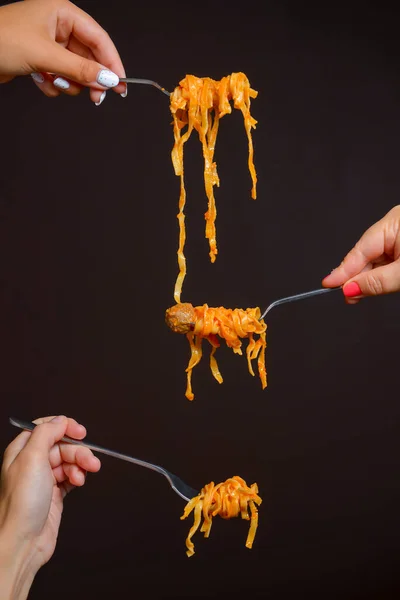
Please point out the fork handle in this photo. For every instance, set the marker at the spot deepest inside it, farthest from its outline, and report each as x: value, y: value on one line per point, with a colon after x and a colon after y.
x: 298, y: 297
x: 145, y: 82
x: 29, y: 426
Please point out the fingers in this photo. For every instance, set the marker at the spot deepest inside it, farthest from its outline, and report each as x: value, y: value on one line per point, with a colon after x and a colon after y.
x: 69, y: 453
x: 64, y: 484
x: 87, y: 31
x: 69, y: 463
x: 70, y: 474
x: 356, y: 299
x: 75, y: 475
x: 49, y: 431
x: 62, y: 456
x: 379, y: 244
x: 52, y: 85
x: 45, y: 435
x: 70, y: 66
x: 72, y: 462
x: 41, y: 31
x: 82, y: 54
x: 70, y: 88
x: 74, y: 429
x: 79, y: 455
x: 369, y: 248
x: 75, y: 46
x: 44, y: 82
x: 374, y: 282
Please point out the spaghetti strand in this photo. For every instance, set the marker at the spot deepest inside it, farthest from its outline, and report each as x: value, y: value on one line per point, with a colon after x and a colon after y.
x: 233, y: 325
x: 230, y: 499
x: 200, y: 103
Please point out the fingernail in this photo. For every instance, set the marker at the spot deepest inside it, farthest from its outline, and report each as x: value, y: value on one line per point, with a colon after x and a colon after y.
x: 107, y: 78
x: 125, y: 93
x: 101, y: 98
x: 61, y: 84
x: 38, y: 77
x: 352, y: 289
x: 58, y: 419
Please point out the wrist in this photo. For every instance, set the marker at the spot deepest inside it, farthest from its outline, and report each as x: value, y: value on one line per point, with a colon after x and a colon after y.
x: 17, y: 566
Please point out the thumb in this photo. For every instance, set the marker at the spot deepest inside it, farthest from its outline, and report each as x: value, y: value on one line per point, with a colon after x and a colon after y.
x: 381, y: 280
x: 46, y: 435
x: 61, y: 61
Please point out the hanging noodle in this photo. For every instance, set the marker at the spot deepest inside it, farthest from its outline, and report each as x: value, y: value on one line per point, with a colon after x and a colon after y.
x: 231, y: 324
x: 200, y: 104
x: 229, y: 499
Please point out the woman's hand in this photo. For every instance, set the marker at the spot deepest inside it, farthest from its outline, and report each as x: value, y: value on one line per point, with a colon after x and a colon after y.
x: 61, y: 46
x: 38, y: 471
x: 372, y: 267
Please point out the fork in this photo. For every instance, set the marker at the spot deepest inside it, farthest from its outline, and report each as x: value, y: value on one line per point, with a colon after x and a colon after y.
x: 298, y: 297
x: 146, y: 82
x: 180, y: 487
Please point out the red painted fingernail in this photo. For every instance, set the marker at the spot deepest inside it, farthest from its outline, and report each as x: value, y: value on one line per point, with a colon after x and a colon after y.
x: 352, y: 289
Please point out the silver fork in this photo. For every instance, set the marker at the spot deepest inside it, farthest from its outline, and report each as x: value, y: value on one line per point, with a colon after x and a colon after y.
x: 146, y: 82
x: 298, y: 297
x: 180, y: 487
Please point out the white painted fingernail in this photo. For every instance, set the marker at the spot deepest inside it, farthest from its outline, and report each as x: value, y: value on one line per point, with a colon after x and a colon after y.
x: 107, y: 78
x: 61, y: 84
x: 38, y: 77
x: 101, y: 98
x: 125, y: 93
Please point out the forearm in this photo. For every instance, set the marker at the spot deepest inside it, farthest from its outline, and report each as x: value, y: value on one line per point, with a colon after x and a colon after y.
x: 17, y: 570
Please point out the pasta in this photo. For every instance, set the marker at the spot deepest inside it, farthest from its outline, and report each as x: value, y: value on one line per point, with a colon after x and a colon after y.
x: 203, y: 322
x: 229, y: 499
x: 200, y: 104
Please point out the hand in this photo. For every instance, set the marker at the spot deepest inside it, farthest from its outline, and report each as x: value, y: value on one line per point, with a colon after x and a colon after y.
x: 46, y: 37
x: 372, y: 267
x: 37, y: 473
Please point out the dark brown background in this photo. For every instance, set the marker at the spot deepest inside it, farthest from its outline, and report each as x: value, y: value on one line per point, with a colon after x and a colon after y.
x: 88, y: 237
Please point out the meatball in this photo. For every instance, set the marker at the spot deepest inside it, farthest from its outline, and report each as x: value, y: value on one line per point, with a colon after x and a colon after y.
x: 181, y: 318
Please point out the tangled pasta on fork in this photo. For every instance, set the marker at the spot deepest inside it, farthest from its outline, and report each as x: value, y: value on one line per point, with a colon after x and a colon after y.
x: 199, y: 103
x: 229, y: 499
x: 203, y: 322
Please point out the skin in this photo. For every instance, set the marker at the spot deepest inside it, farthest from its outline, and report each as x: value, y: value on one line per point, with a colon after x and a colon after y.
x: 38, y: 472
x: 55, y: 36
x: 52, y: 38
x: 374, y: 262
